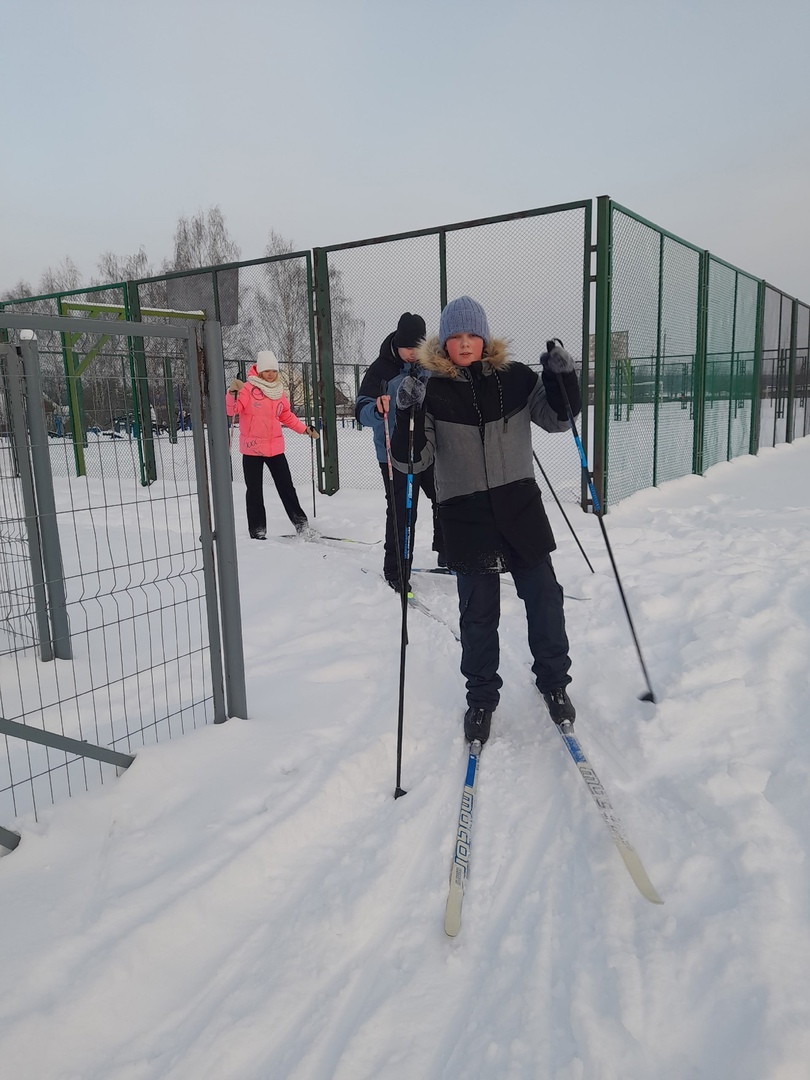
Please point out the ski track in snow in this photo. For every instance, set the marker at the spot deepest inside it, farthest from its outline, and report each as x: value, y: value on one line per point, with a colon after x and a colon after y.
x: 249, y: 901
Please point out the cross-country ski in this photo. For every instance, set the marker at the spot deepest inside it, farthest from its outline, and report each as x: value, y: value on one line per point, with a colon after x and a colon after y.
x: 609, y: 816
x: 460, y: 867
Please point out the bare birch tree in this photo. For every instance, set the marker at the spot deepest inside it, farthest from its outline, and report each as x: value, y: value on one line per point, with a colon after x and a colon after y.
x: 18, y: 291
x: 62, y: 278
x: 202, y: 240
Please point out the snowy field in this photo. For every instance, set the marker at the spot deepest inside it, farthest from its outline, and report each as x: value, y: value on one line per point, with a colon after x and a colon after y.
x: 249, y: 902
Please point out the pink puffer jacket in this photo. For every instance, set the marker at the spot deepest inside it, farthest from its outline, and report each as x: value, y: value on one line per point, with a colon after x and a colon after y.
x: 261, y: 420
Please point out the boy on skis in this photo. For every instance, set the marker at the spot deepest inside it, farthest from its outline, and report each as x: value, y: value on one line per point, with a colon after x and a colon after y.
x: 473, y: 422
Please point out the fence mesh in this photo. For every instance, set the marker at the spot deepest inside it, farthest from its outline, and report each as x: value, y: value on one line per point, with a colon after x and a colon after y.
x: 87, y: 383
x: 775, y: 367
x: 674, y: 393
x: 370, y: 287
x: 262, y: 304
x: 680, y: 371
x: 135, y: 595
x: 680, y: 399
x: 728, y: 398
x: 653, y: 342
x: 527, y: 272
x: 801, y: 399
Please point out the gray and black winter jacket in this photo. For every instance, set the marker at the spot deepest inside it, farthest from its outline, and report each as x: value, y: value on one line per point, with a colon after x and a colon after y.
x: 475, y: 426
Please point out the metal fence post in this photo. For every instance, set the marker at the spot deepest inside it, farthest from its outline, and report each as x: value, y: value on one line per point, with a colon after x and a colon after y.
x: 701, y: 342
x: 791, y: 379
x: 196, y: 375
x: 442, y: 269
x: 602, y: 328
x: 731, y: 387
x: 19, y: 433
x: 756, y: 389
x: 326, y: 382
x: 141, y: 403
x: 588, y: 280
x: 46, y: 504
x: 313, y: 372
x: 657, y: 367
x: 225, y: 529
x: 74, y: 398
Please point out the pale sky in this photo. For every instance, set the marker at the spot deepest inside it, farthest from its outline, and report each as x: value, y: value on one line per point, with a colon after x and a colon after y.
x: 335, y: 121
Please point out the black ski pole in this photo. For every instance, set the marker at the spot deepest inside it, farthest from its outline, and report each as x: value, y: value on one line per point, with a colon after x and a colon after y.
x: 399, y: 790
x: 312, y: 469
x: 406, y: 561
x: 559, y: 504
x: 649, y: 696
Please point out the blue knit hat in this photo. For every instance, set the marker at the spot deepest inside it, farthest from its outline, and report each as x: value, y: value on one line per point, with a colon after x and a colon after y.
x: 463, y: 316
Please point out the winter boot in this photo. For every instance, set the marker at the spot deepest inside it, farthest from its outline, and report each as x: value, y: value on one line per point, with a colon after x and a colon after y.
x: 305, y: 530
x: 258, y: 534
x: 477, y: 724
x: 560, y: 707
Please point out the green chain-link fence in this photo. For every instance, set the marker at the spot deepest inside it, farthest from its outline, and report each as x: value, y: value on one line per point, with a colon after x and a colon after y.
x: 530, y: 271
x: 687, y: 360
x: 260, y: 304
x: 697, y: 362
x: 801, y: 391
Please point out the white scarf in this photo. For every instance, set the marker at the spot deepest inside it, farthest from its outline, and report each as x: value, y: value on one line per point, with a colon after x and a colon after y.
x: 273, y: 390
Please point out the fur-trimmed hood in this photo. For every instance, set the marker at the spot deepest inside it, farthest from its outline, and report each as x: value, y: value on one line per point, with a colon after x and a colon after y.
x: 434, y: 359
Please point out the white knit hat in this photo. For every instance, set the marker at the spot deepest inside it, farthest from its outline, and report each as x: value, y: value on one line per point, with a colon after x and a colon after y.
x: 266, y: 361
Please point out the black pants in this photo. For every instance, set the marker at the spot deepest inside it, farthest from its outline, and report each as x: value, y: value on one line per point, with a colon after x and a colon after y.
x: 479, y: 601
x: 395, y: 537
x: 253, y: 468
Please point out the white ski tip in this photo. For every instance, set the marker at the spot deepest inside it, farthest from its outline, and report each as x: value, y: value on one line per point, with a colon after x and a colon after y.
x: 639, y: 874
x: 452, y: 912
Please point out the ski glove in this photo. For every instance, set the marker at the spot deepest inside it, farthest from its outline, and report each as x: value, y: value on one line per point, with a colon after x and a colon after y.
x: 557, y: 359
x: 411, y: 392
x: 236, y: 386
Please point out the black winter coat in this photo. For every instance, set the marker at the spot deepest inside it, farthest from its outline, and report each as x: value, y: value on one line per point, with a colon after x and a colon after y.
x: 475, y: 426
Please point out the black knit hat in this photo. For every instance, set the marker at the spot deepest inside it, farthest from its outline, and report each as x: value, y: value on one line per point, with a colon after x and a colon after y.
x: 410, y: 331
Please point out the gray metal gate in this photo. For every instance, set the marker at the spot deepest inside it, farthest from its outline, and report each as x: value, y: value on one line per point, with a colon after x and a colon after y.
x: 120, y: 622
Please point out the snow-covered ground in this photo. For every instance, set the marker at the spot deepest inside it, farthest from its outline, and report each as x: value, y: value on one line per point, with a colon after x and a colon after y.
x: 249, y: 901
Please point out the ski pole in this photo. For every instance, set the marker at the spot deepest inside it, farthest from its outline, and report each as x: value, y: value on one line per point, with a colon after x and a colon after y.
x: 230, y: 440
x: 312, y: 469
x: 649, y: 696
x: 404, y: 582
x: 398, y: 790
x: 408, y: 543
x: 391, y: 485
x: 559, y: 504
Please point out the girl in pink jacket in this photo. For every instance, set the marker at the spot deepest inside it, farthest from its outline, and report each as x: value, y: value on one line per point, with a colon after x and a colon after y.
x: 263, y: 408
